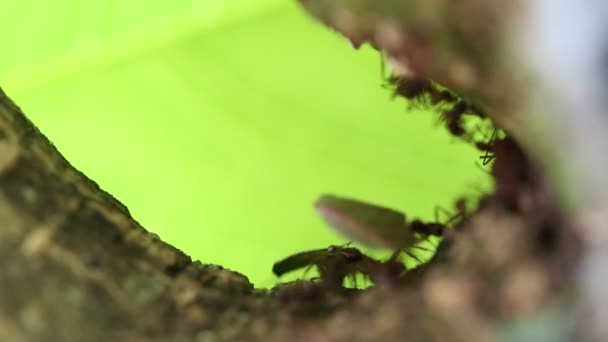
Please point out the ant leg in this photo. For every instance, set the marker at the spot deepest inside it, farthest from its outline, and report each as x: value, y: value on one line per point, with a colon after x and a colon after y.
x: 395, y: 255
x: 487, y: 158
x: 481, y: 167
x: 353, y: 279
x: 422, y: 248
x: 440, y: 210
x: 307, y: 269
x: 413, y: 256
x: 383, y: 76
x: 451, y: 217
x: 483, y: 134
x: 433, y: 245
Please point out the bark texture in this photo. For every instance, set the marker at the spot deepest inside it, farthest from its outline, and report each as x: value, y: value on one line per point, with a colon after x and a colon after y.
x: 77, y: 267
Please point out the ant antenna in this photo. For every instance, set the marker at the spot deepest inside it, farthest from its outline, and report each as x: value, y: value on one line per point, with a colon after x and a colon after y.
x: 422, y: 248
x: 306, y: 270
x: 487, y: 158
x: 383, y: 75
x: 434, y: 245
x: 451, y: 217
x: 441, y: 210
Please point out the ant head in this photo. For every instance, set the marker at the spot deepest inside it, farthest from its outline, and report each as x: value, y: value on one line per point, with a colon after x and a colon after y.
x: 410, y: 88
x: 348, y: 254
x: 426, y: 229
x: 352, y: 255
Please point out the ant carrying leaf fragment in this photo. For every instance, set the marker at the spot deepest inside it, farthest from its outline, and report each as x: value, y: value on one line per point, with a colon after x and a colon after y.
x: 371, y: 225
x: 376, y: 226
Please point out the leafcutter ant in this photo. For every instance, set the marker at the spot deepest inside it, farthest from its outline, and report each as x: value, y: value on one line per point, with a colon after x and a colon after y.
x: 376, y: 226
x: 453, y: 118
x: 416, y: 88
x: 410, y: 88
x: 323, y: 258
x: 336, y: 263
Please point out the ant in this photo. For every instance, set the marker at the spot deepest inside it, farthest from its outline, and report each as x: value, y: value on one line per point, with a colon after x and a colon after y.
x: 414, y: 88
x: 453, y: 117
x: 326, y: 260
x: 410, y: 88
x: 335, y: 263
x: 377, y: 226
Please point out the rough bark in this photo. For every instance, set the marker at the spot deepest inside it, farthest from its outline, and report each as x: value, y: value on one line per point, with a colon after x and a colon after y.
x: 77, y: 267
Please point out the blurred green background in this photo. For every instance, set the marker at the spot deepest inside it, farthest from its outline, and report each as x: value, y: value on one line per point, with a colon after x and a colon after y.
x: 218, y: 123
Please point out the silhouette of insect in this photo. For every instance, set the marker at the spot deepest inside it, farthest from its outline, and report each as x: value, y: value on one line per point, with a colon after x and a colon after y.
x: 487, y: 147
x: 335, y: 263
x: 437, y: 229
x: 428, y: 92
x: 417, y: 88
x: 371, y: 225
x: 512, y: 171
x: 452, y: 118
x: 376, y: 226
x: 439, y: 96
x: 335, y: 254
x: 410, y: 87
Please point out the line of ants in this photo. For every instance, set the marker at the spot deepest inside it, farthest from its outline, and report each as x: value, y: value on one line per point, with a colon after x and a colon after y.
x: 453, y: 118
x: 337, y: 263
x: 426, y: 91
